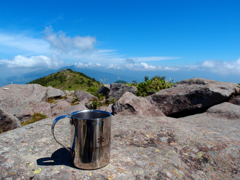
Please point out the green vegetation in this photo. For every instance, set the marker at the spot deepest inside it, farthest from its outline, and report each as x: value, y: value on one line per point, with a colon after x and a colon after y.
x: 148, y: 87
x: 67, y: 80
x: 75, y: 101
x: 35, y: 117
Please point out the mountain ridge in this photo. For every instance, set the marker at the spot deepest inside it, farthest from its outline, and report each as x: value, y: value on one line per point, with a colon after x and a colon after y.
x: 67, y: 79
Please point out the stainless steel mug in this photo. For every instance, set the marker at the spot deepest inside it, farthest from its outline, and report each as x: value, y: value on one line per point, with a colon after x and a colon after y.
x: 90, y: 138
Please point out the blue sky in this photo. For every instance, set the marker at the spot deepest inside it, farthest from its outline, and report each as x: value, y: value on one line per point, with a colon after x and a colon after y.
x: 180, y: 39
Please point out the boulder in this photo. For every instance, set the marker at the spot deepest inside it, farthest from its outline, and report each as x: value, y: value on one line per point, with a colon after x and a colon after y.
x: 54, y: 93
x: 20, y: 97
x: 79, y: 107
x: 102, y: 108
x: 43, y: 108
x: 117, y: 90
x: 142, y: 147
x: 67, y: 92
x: 104, y: 90
x: 192, y: 94
x: 60, y: 107
x: 130, y: 104
x: 225, y: 110
x: 8, y: 121
x: 235, y: 100
x: 69, y: 99
x: 25, y: 115
x: 109, y: 108
x: 84, y: 96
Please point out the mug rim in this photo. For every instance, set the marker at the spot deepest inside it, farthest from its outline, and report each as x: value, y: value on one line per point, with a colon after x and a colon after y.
x: 82, y: 111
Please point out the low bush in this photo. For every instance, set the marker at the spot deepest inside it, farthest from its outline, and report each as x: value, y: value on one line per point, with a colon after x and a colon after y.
x: 35, y: 117
x: 148, y: 87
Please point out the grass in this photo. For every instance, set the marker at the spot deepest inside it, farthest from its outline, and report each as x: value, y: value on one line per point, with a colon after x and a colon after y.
x: 68, y: 80
x: 36, y: 117
x: 75, y: 101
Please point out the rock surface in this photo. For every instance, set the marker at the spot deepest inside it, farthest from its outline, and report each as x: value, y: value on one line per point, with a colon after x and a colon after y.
x: 194, y: 147
x: 192, y: 94
x: 60, y: 107
x: 235, y: 100
x: 54, y: 93
x: 69, y: 99
x: 104, y: 90
x: 8, y: 121
x: 109, y: 108
x: 43, y: 108
x: 117, y: 90
x: 130, y: 104
x: 20, y: 97
x: 225, y: 110
x: 83, y: 96
x: 78, y: 107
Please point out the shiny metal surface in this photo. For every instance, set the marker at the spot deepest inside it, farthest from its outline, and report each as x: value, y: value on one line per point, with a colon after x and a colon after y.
x: 90, y: 138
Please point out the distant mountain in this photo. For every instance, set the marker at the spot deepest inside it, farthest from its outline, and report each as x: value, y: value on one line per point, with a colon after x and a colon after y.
x: 103, y: 77
x: 26, y: 77
x: 67, y: 79
x: 121, y: 82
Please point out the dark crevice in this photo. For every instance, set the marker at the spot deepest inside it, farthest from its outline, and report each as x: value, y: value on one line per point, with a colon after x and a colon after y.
x: 188, y: 113
x: 194, y: 111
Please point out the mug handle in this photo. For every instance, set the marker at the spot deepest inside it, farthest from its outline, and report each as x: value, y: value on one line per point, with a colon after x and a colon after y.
x: 53, y: 125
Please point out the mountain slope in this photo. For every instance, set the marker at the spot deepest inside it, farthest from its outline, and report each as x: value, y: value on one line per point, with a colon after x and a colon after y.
x: 67, y: 79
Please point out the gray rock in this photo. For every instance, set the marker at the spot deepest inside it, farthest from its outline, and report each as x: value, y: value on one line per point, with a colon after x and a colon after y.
x: 192, y: 94
x: 194, y: 147
x: 117, y: 90
x: 109, y: 108
x: 25, y: 115
x: 43, y: 108
x: 21, y: 97
x: 60, y: 107
x: 79, y: 107
x: 235, y: 100
x: 104, y: 90
x: 225, y: 110
x: 102, y: 108
x: 8, y: 121
x: 54, y: 93
x: 69, y: 99
x: 82, y: 95
x: 67, y: 92
x: 130, y: 104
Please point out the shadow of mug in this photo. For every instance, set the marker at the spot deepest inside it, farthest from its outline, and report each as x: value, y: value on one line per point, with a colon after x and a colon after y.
x: 59, y: 157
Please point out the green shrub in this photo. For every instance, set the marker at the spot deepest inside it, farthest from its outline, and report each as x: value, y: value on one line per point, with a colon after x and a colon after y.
x: 51, y: 100
x: 35, y: 117
x: 92, y: 90
x: 75, y: 101
x: 157, y: 83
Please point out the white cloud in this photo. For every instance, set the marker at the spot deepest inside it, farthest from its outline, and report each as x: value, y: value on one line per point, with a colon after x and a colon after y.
x: 129, y: 66
x: 221, y: 67
x: 65, y: 43
x: 69, y: 49
x: 152, y: 58
x: 24, y: 43
x: 33, y: 61
x: 114, y: 66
